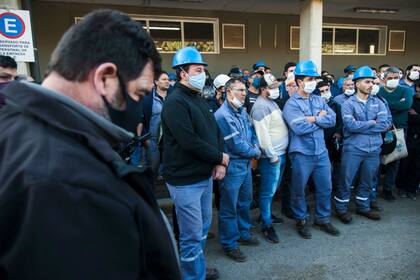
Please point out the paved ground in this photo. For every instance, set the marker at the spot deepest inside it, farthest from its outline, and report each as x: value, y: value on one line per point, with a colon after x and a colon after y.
x: 388, y: 249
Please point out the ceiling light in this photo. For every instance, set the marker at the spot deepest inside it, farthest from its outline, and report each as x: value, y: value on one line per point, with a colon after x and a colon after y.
x: 375, y: 10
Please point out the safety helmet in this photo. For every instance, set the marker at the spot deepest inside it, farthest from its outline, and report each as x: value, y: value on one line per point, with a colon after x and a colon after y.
x: 364, y: 72
x: 220, y: 81
x: 187, y: 55
x: 260, y: 63
x: 306, y: 68
x: 349, y: 68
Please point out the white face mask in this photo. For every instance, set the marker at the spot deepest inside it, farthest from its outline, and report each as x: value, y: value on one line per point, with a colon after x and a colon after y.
x: 375, y: 90
x: 309, y: 87
x: 326, y: 95
x: 273, y: 93
x: 392, y: 83
x: 414, y: 75
x: 197, y: 81
x: 237, y: 103
x: 349, y: 92
x: 351, y: 76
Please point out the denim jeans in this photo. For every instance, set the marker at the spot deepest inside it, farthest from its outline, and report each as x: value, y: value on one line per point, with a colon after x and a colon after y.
x: 193, y: 206
x: 368, y: 164
x: 319, y: 167
x: 235, y: 201
x: 391, y: 171
x: 270, y: 178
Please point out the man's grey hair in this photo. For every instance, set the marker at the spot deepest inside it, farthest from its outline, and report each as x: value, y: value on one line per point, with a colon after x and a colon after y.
x: 391, y: 70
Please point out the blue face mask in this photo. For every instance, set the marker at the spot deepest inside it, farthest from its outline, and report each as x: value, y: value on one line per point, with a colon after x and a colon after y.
x: 245, y: 78
x: 256, y: 82
x: 198, y: 81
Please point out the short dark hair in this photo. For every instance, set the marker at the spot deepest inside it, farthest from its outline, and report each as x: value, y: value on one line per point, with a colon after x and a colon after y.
x: 233, y: 81
x: 409, y: 67
x: 104, y: 36
x: 299, y: 77
x: 7, y: 62
x: 322, y: 84
x: 392, y: 70
x: 179, y: 69
x: 288, y: 65
x: 157, y: 77
x: 383, y: 65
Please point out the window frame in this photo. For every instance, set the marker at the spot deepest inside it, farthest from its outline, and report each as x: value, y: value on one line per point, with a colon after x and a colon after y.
x: 243, y: 38
x: 356, y: 27
x: 389, y: 41
x: 181, y: 20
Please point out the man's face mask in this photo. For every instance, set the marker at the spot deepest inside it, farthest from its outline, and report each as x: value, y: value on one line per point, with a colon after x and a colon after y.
x: 309, y: 87
x: 198, y: 81
x: 256, y: 82
x: 375, y: 90
x: 124, y: 92
x: 414, y: 75
x: 349, y: 92
x: 392, y: 83
x: 273, y: 93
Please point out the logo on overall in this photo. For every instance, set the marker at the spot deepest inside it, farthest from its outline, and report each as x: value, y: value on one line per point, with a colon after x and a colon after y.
x: 12, y: 26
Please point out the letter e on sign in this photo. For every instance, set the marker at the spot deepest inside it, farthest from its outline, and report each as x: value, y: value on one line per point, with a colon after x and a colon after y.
x: 12, y: 26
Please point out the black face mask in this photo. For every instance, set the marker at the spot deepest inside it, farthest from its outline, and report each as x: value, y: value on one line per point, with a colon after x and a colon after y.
x: 124, y: 92
x: 4, y: 84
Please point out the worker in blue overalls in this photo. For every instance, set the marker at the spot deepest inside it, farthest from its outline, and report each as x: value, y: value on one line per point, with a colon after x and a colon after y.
x: 307, y: 116
x: 364, y: 118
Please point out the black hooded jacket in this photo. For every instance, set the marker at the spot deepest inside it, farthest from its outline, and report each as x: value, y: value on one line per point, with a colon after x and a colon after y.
x: 70, y: 207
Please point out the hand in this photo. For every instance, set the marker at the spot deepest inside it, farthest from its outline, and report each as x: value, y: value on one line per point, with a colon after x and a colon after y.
x: 323, y: 113
x: 219, y: 172
x: 412, y: 112
x: 225, y: 161
x: 337, y: 136
x: 311, y: 119
x: 254, y: 164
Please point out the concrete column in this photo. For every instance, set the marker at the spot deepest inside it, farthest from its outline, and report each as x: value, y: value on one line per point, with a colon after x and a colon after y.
x: 311, y: 31
x: 23, y: 67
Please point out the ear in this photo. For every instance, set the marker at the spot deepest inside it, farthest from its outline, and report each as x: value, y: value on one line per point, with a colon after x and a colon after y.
x: 105, y: 78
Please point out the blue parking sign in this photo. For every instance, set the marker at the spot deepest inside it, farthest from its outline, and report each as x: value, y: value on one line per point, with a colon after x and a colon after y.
x: 12, y: 26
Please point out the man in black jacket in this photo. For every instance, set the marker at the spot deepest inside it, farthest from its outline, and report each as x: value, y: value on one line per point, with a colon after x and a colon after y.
x: 70, y: 207
x: 192, y: 157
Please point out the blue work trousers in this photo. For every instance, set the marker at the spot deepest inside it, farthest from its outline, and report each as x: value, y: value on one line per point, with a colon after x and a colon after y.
x: 319, y: 167
x: 193, y: 206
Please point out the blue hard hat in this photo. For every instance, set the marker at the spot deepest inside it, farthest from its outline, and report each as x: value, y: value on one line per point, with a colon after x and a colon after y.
x: 187, y: 55
x: 306, y: 68
x: 260, y: 64
x: 340, y: 82
x: 172, y: 76
x: 364, y: 72
x: 349, y: 68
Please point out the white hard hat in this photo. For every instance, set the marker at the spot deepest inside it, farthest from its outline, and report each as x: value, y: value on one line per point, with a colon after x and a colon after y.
x: 220, y: 81
x: 270, y: 79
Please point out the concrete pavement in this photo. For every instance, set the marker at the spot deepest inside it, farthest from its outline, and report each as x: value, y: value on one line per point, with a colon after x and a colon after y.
x: 387, y: 249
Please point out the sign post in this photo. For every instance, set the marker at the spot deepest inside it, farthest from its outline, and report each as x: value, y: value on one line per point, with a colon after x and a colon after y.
x: 16, y: 35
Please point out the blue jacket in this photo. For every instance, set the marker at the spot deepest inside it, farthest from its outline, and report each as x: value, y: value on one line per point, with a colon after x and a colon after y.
x: 305, y: 137
x: 363, y: 124
x: 240, y: 141
x: 341, y: 98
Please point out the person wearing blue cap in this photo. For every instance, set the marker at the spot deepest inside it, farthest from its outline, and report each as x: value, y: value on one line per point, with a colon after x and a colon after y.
x: 349, y: 71
x: 364, y: 119
x: 347, y: 89
x: 192, y: 157
x: 307, y: 116
x: 260, y: 65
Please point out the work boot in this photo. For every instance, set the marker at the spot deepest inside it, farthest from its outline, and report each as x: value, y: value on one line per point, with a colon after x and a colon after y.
x: 374, y: 205
x: 346, y: 217
x: 270, y: 234
x: 388, y: 196
x: 274, y: 219
x: 370, y: 214
x: 303, y: 229
x: 328, y: 228
x: 253, y: 241
x: 236, y: 255
x: 212, y: 274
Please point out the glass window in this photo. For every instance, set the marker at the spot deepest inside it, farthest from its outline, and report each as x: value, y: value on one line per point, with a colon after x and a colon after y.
x: 199, y: 35
x: 327, y: 40
x: 345, y: 40
x: 368, y: 41
x: 166, y: 34
x: 396, y: 40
